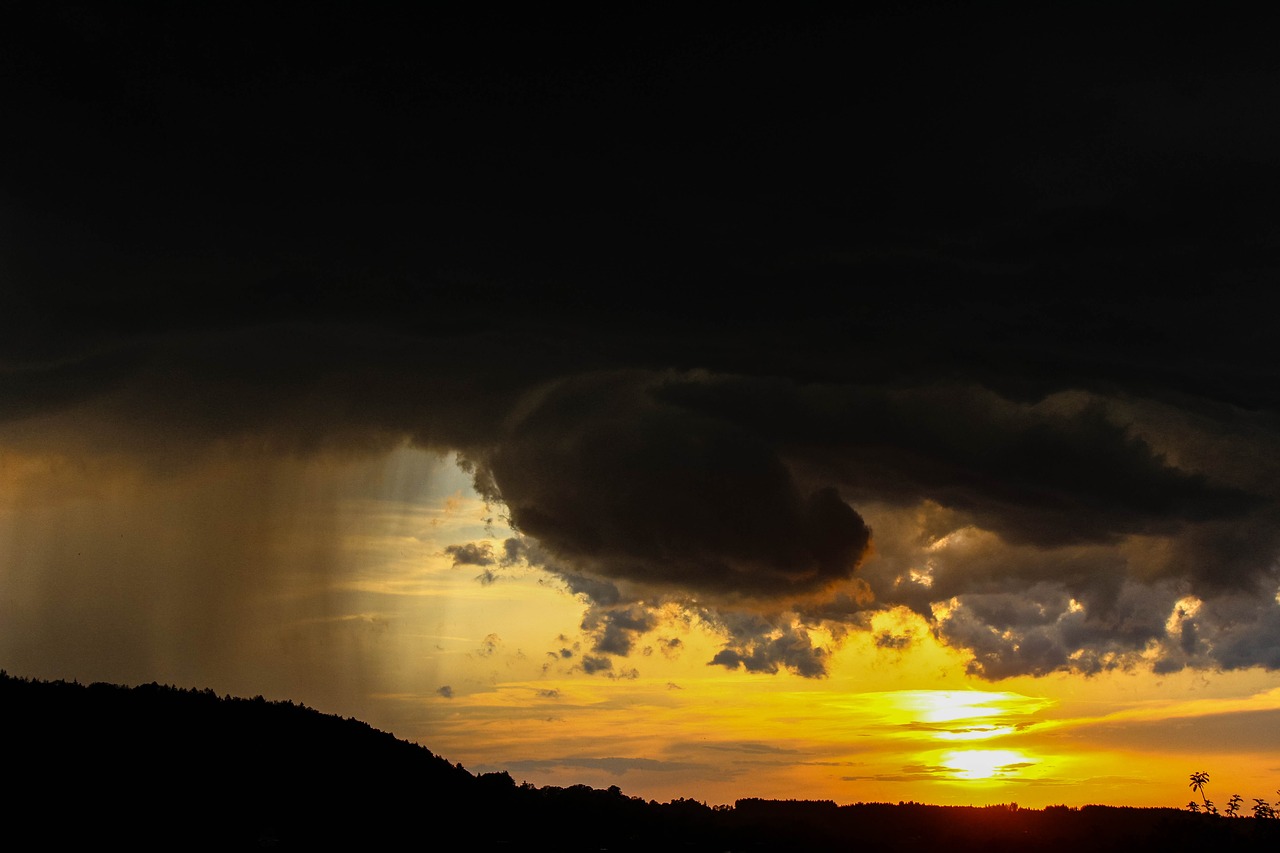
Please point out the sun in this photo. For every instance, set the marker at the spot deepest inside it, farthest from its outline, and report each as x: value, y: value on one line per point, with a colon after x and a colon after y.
x: 959, y: 715
x: 979, y: 764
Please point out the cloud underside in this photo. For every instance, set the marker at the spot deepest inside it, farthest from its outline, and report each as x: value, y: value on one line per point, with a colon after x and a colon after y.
x: 1079, y: 531
x: 1037, y: 537
x: 751, y: 360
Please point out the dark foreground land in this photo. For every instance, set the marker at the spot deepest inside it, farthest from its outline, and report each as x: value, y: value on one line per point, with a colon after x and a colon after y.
x: 156, y: 767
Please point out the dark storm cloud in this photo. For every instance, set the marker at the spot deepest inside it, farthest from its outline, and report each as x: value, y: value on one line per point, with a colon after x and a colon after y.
x: 1002, y: 643
x: 1237, y: 554
x: 1052, y: 473
x: 1233, y: 631
x: 792, y: 318
x: 1051, y: 510
x: 616, y: 483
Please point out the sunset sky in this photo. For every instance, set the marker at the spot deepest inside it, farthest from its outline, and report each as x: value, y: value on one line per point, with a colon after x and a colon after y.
x: 871, y: 408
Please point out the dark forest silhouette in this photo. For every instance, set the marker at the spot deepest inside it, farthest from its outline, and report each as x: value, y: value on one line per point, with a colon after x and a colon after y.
x: 156, y: 766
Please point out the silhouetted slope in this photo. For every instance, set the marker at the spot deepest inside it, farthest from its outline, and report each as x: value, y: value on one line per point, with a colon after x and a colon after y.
x: 156, y: 767
x: 103, y: 761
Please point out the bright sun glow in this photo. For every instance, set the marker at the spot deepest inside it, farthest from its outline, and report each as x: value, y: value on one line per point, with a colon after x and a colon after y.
x: 977, y: 764
x: 952, y: 715
x: 949, y: 706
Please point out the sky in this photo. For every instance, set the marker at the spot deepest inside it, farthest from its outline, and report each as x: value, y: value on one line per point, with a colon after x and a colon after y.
x: 876, y: 406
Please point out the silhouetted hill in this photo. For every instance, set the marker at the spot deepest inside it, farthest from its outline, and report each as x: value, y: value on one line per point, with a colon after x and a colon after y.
x: 158, y: 767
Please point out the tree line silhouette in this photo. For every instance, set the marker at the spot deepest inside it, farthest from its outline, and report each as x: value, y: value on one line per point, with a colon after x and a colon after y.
x: 157, y: 766
x: 1262, y: 809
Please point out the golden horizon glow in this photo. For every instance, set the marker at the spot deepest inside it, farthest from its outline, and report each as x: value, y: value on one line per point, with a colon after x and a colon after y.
x: 483, y: 664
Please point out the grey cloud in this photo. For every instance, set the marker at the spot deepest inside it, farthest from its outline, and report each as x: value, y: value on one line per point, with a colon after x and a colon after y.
x: 1126, y: 618
x: 599, y: 664
x: 616, y: 630
x: 758, y: 641
x: 886, y: 640
x: 670, y: 646
x: 471, y: 554
x: 1037, y: 631
x: 1024, y: 609
x: 1001, y: 653
x: 599, y: 591
x: 592, y: 664
x: 1233, y: 632
x: 770, y: 651
x: 917, y: 565
x: 514, y: 551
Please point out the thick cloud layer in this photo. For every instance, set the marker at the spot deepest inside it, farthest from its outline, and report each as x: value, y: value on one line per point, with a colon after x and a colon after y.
x: 620, y: 485
x: 781, y: 322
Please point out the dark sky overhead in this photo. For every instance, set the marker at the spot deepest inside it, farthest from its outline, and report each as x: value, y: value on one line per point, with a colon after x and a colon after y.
x: 959, y: 307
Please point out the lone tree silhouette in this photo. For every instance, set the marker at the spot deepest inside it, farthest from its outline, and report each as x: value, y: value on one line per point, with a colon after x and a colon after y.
x: 1198, y: 781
